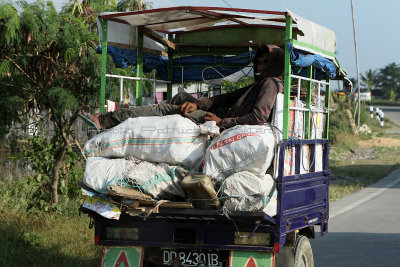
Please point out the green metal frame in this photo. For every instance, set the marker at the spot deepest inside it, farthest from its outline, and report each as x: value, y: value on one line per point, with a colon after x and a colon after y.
x: 287, y: 79
x: 307, y: 119
x: 104, y: 30
x: 287, y: 85
x: 198, y: 43
x: 170, y: 70
x: 139, y: 68
x: 328, y: 106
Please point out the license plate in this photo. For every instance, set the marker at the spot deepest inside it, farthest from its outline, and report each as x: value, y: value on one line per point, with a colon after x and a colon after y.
x: 191, y: 258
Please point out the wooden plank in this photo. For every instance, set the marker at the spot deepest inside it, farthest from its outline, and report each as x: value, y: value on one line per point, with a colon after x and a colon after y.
x: 156, y: 37
x: 127, y: 192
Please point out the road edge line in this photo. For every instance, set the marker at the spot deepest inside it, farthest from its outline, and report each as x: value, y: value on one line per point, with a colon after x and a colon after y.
x: 365, y: 199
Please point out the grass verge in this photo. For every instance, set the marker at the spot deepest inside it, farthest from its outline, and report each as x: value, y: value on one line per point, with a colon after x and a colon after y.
x: 30, y: 237
x: 354, y: 167
x: 352, y: 172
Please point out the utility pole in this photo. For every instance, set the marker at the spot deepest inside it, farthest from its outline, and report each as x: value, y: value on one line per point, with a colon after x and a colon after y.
x: 358, y: 72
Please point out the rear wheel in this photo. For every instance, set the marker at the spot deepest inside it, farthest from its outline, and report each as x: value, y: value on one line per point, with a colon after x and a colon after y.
x: 303, y: 256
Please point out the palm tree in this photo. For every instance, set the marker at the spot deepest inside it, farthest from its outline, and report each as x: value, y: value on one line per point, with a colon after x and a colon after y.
x: 88, y: 7
x: 369, y: 79
x: 389, y: 80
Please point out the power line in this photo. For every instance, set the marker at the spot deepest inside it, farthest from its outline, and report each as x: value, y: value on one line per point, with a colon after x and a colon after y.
x: 227, y: 4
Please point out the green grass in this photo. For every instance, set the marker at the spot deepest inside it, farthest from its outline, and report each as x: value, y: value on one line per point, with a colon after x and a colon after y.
x: 31, y: 237
x: 351, y: 175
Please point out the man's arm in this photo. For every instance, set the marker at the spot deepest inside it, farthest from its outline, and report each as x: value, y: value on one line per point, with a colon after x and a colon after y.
x: 261, y: 110
x: 224, y: 100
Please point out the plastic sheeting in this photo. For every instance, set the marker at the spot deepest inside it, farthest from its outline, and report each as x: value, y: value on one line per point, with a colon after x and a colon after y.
x: 302, y: 61
x: 200, y: 68
x: 195, y: 68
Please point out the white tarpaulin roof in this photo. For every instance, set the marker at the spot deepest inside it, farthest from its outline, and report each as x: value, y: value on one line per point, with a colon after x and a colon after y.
x: 314, y: 35
x: 188, y: 19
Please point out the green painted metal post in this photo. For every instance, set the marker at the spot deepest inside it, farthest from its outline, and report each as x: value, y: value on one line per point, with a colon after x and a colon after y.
x: 308, y: 101
x: 327, y: 105
x: 170, y: 69
x: 287, y: 82
x: 139, y: 68
x: 104, y: 30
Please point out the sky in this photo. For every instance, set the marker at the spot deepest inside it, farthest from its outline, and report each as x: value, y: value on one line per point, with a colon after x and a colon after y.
x: 376, y: 25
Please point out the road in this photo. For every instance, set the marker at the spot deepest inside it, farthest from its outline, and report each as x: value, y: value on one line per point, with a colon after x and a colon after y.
x: 364, y: 228
x: 393, y: 113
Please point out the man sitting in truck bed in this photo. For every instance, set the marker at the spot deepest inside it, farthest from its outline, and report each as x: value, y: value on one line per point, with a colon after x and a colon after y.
x: 250, y: 105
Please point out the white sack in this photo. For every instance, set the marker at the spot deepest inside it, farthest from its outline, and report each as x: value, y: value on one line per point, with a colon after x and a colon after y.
x: 245, y: 191
x: 170, y: 139
x: 241, y: 148
x: 158, y: 180
x: 99, y: 172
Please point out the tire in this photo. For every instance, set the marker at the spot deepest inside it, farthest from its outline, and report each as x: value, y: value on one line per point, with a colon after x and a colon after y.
x: 303, y: 253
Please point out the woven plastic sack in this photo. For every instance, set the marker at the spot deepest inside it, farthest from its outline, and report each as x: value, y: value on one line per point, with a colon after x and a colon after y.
x: 241, y: 148
x: 159, y: 180
x: 244, y: 191
x: 172, y: 139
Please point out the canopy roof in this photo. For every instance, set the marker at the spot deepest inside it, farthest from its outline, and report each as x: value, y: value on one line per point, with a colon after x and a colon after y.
x: 190, y: 28
x: 189, y: 18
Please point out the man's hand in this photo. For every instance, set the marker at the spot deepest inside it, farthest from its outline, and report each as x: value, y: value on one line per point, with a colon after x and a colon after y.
x: 212, y: 117
x: 187, y: 107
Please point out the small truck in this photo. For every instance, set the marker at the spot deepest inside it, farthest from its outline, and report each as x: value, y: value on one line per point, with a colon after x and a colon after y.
x: 179, y: 236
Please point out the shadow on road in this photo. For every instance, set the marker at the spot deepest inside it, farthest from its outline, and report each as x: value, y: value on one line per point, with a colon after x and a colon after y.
x: 356, y: 249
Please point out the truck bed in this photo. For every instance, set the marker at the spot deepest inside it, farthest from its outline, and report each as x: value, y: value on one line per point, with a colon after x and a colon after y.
x: 303, y: 201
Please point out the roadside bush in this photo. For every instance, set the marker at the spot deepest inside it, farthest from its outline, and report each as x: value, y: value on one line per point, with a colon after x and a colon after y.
x: 340, y: 121
x: 33, y: 190
x: 364, y: 114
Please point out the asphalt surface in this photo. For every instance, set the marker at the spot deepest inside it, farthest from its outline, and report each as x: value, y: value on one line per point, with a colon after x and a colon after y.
x: 392, y: 112
x: 364, y: 228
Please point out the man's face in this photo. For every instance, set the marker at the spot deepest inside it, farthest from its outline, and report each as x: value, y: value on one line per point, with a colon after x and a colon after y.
x: 262, y: 64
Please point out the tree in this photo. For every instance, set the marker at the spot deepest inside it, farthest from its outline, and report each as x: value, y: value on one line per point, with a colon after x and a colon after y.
x: 389, y: 80
x: 369, y: 79
x: 48, y: 65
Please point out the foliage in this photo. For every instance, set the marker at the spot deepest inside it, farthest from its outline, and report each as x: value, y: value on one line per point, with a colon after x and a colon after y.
x: 32, y: 237
x: 369, y: 79
x: 386, y: 79
x: 127, y: 5
x: 49, y: 66
x: 49, y: 69
x: 89, y: 11
x: 339, y: 121
x: 228, y: 86
x: 38, y: 152
x: 389, y: 80
x: 48, y: 62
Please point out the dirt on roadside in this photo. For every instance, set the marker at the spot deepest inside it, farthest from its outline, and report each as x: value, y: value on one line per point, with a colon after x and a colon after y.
x: 368, y: 149
x: 379, y: 142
